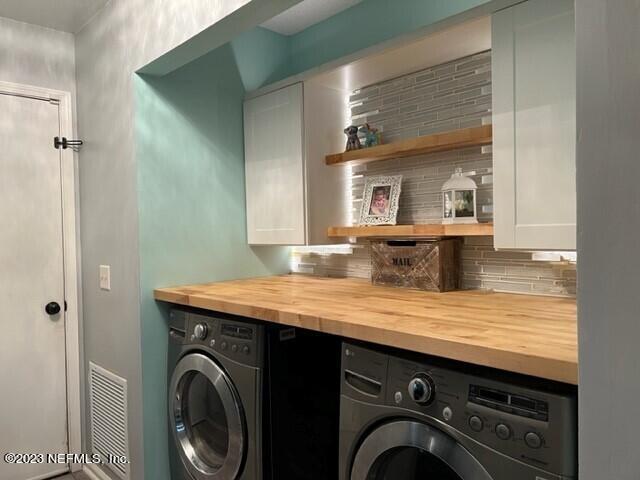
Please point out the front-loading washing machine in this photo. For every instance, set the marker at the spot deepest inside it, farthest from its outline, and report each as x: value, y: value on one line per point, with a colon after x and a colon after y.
x: 411, y: 417
x: 215, y: 397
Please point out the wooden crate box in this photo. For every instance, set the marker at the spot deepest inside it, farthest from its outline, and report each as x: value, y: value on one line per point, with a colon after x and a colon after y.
x: 426, y: 265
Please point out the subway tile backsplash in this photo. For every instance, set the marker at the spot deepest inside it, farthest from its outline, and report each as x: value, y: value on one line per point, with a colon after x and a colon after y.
x: 482, y: 267
x: 445, y: 97
x: 422, y: 179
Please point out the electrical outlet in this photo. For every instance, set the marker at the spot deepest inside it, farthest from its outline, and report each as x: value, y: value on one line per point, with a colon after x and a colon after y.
x: 105, y: 277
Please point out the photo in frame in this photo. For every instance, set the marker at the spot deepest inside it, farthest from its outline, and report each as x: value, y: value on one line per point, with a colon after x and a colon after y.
x: 380, y: 200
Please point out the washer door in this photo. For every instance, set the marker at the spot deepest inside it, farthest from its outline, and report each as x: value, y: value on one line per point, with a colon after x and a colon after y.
x: 410, y: 450
x: 207, y: 419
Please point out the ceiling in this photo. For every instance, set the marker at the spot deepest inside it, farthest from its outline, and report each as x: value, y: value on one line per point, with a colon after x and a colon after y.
x: 72, y: 15
x: 65, y: 15
x: 305, y: 14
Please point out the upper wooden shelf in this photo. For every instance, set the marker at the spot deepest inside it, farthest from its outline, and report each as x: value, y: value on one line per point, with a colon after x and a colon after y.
x: 416, y: 231
x: 439, y: 142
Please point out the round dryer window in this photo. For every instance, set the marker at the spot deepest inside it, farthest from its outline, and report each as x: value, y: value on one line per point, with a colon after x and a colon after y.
x: 207, y: 419
x: 410, y: 450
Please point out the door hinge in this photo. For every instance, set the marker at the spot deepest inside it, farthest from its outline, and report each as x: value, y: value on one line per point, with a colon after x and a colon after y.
x: 54, y: 101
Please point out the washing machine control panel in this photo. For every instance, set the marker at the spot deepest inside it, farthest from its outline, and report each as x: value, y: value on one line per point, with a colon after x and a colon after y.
x: 238, y: 340
x: 532, y: 425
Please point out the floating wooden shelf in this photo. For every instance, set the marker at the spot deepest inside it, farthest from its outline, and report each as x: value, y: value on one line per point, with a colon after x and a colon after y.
x: 425, y: 230
x: 439, y: 142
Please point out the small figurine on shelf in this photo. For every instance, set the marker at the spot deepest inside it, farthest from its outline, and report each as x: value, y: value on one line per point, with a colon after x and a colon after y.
x: 353, y: 142
x: 371, y: 135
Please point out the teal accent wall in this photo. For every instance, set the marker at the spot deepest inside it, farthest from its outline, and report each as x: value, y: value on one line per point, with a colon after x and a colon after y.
x: 262, y: 57
x: 365, y: 24
x: 190, y: 161
x: 190, y: 158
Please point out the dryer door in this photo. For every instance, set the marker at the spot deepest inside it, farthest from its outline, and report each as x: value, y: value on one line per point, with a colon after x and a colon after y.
x: 410, y: 450
x: 207, y: 419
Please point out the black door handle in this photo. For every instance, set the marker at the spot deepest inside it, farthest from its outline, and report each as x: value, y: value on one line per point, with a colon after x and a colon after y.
x: 52, y: 308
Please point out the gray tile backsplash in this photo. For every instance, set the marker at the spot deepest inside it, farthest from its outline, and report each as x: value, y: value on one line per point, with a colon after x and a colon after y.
x: 449, y: 96
x: 445, y: 97
x: 422, y: 179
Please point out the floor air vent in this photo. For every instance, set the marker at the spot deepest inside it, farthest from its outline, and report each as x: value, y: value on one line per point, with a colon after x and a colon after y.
x: 109, y: 431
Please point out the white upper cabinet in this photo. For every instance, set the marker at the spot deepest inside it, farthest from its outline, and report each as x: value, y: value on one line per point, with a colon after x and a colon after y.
x: 292, y: 196
x: 534, y: 126
x: 274, y: 167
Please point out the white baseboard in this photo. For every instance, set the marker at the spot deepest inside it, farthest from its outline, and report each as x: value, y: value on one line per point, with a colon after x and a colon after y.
x: 94, y: 472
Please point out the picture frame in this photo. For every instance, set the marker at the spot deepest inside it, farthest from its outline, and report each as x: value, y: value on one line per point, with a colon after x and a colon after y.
x: 380, y: 200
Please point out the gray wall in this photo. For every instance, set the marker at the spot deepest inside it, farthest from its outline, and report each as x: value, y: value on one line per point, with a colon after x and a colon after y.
x: 608, y: 172
x: 36, y: 56
x: 119, y: 40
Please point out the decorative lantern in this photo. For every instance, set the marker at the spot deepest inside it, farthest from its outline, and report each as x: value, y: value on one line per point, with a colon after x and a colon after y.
x: 459, y: 199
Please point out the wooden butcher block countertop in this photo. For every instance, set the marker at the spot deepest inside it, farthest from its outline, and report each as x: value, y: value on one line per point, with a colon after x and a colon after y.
x: 533, y: 335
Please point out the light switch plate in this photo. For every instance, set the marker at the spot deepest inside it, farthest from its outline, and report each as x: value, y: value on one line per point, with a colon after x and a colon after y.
x: 105, y: 277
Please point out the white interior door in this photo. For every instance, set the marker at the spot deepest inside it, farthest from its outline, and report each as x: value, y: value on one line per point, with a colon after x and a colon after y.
x: 33, y: 413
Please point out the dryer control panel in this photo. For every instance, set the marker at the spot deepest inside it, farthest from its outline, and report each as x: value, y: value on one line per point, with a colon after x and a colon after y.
x: 239, y: 340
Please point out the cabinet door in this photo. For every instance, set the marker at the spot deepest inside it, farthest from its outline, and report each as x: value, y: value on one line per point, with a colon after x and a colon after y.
x: 534, y: 132
x: 274, y: 168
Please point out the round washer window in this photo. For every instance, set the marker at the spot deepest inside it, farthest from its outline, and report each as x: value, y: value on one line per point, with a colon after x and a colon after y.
x: 207, y: 419
x: 412, y: 450
x: 410, y: 463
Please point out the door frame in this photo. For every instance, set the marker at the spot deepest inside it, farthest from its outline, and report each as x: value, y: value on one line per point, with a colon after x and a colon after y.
x: 71, y: 252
